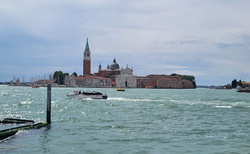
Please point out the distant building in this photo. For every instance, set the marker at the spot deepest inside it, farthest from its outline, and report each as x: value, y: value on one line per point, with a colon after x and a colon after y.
x: 110, y: 72
x: 43, y: 83
x: 169, y: 83
x: 187, y: 84
x: 141, y: 81
x: 245, y: 84
x: 126, y: 79
x: 119, y: 77
x: 163, y: 81
x: 87, y: 81
x: 18, y: 83
x: 86, y: 60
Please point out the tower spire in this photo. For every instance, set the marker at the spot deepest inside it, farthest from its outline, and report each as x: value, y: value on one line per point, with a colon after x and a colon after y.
x: 87, y: 46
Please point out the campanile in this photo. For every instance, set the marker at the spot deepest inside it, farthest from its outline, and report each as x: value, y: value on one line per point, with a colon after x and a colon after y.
x: 86, y: 60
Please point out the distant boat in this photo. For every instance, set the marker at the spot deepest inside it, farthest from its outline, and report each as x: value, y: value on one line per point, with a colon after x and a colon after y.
x: 120, y: 89
x: 35, y: 86
x: 84, y: 95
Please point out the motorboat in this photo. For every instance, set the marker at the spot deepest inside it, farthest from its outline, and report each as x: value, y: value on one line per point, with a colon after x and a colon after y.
x: 84, y: 95
x: 242, y: 90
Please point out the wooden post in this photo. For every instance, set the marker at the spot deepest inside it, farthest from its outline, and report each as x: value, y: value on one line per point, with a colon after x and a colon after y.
x: 49, y: 103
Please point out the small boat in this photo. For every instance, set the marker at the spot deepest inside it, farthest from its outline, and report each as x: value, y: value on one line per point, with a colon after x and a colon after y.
x: 84, y: 95
x: 120, y: 89
x: 35, y: 86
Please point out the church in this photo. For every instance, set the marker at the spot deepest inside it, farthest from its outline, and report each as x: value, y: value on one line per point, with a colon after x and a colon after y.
x: 110, y: 72
x: 112, y: 76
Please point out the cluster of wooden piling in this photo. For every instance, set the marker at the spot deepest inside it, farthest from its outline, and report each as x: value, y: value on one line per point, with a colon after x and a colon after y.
x: 31, y: 124
x: 12, y: 131
x: 16, y: 121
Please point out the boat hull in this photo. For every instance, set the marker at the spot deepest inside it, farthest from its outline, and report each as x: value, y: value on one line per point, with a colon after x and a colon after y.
x: 120, y: 89
x: 85, y: 96
x: 244, y: 91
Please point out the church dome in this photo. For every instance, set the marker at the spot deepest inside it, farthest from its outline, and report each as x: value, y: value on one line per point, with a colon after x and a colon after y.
x: 114, y: 65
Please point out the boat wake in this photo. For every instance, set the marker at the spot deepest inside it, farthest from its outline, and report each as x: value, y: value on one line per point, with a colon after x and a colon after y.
x: 130, y: 99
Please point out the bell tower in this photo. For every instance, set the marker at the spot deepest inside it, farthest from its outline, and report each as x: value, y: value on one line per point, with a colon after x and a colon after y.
x: 86, y: 60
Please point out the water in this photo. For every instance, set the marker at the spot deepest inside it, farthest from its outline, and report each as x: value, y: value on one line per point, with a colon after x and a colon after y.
x: 134, y: 121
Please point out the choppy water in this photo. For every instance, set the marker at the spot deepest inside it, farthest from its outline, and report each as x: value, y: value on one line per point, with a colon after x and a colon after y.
x: 134, y: 121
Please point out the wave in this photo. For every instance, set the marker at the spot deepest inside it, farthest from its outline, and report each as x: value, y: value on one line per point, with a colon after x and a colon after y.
x: 228, y: 107
x: 26, y: 102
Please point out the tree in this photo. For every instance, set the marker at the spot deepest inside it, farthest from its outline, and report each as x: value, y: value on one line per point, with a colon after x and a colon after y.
x: 240, y: 83
x: 74, y: 74
x: 234, y: 83
x: 59, y: 77
x: 174, y: 74
x: 65, y: 74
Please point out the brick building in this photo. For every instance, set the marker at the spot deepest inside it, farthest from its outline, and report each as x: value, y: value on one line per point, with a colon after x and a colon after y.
x: 163, y: 81
x: 87, y: 81
x: 245, y: 84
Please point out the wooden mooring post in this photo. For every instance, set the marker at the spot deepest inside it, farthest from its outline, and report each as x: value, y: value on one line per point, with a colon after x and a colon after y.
x: 49, y: 103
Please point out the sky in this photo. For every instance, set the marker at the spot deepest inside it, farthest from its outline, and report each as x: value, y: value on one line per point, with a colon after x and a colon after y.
x: 207, y: 39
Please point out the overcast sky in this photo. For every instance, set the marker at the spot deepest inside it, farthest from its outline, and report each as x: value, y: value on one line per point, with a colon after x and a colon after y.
x: 207, y: 39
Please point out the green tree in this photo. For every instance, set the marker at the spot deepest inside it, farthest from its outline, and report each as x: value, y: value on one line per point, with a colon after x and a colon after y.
x: 174, y: 74
x: 240, y: 83
x: 74, y: 74
x: 59, y: 76
x: 65, y: 74
x: 234, y: 83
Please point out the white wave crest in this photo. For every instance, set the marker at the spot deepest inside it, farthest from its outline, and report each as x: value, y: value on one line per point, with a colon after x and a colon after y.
x: 130, y: 99
x: 223, y: 107
x: 26, y: 102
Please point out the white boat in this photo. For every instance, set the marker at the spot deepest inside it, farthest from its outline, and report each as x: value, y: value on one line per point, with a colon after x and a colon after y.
x: 84, y: 95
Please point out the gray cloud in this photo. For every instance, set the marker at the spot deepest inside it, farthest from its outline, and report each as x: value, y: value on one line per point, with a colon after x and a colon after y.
x: 185, y: 42
x: 224, y: 45
x: 162, y: 36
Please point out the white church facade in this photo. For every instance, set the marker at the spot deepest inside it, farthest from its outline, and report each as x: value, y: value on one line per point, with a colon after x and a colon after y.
x: 126, y: 79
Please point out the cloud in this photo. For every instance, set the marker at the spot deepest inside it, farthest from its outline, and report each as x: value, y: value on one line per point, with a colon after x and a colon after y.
x: 224, y: 45
x: 203, y: 38
x: 185, y: 42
